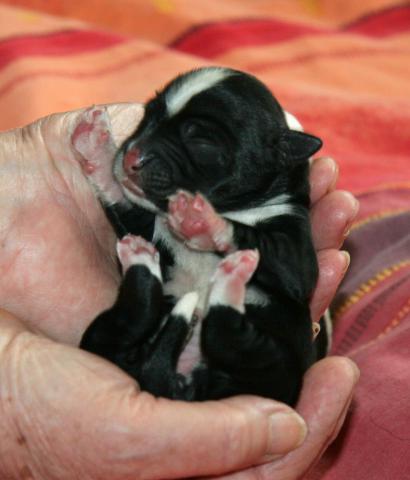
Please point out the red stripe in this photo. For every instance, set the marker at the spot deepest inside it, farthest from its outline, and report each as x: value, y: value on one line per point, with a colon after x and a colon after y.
x: 214, y: 39
x: 138, y: 58
x: 56, y: 43
x: 382, y: 24
x: 211, y: 40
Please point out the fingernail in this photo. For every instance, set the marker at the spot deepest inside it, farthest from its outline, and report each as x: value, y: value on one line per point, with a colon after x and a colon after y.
x: 355, y: 206
x: 355, y: 210
x: 288, y: 431
x: 346, y: 258
x: 334, y: 167
x: 356, y: 371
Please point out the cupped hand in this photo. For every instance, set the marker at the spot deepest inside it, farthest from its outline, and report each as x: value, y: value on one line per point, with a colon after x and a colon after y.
x: 67, y: 414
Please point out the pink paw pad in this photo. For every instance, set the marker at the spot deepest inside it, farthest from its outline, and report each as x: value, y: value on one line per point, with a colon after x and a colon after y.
x: 193, y: 219
x: 95, y: 151
x: 242, y: 264
x: 92, y: 139
x: 230, y: 279
x: 133, y: 250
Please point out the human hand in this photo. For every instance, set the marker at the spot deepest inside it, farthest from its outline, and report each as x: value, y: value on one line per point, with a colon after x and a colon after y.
x: 68, y: 414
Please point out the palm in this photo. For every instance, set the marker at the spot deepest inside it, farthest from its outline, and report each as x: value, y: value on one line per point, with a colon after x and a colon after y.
x: 59, y: 249
x: 59, y: 271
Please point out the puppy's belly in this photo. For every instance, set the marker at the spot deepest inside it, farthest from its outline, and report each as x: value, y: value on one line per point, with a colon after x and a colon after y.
x: 196, y: 275
x: 193, y: 272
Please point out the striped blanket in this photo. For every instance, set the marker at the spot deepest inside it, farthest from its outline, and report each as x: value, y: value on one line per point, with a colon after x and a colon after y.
x: 343, y: 69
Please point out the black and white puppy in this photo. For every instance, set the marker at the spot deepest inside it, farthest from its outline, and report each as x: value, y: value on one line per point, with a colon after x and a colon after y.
x: 215, y: 183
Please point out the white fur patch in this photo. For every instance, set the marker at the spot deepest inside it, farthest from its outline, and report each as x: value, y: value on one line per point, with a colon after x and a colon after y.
x: 140, y: 201
x: 292, y: 122
x: 254, y: 296
x: 150, y: 263
x: 196, y: 82
x: 192, y: 269
x: 274, y: 207
x: 220, y: 296
x: 185, y: 307
x: 139, y: 258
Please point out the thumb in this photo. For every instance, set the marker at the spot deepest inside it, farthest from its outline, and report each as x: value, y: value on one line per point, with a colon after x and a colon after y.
x: 189, y: 439
x: 73, y: 412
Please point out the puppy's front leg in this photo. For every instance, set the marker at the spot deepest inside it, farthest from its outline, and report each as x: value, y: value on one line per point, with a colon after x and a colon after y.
x: 95, y: 150
x: 192, y: 219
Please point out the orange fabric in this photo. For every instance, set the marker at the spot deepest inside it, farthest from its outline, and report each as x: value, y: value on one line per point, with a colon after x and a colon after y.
x: 161, y: 20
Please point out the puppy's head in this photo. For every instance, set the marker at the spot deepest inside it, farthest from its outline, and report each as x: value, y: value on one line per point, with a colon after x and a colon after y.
x: 213, y: 130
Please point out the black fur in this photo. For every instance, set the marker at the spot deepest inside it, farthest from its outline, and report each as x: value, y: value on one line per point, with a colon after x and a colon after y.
x: 230, y: 142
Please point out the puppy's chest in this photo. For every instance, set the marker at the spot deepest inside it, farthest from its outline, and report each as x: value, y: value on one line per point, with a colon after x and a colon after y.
x: 193, y: 271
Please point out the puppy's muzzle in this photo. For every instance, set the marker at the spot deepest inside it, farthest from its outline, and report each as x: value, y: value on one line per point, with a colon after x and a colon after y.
x: 132, y: 161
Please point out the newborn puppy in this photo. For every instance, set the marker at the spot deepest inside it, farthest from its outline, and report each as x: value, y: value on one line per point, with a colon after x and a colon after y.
x: 215, y: 184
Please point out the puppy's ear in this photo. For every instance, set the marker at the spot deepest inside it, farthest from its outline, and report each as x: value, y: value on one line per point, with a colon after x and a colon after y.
x: 298, y: 145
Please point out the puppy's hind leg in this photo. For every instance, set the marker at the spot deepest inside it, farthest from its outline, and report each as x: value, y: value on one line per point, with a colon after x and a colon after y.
x: 159, y: 373
x: 228, y: 285
x: 227, y: 335
x: 122, y: 333
x: 244, y: 350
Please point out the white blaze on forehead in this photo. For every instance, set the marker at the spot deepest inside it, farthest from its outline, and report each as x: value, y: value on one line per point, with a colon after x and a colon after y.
x: 292, y: 122
x: 181, y: 92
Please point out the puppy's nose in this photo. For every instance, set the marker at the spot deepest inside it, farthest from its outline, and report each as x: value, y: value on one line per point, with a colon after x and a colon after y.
x: 132, y: 160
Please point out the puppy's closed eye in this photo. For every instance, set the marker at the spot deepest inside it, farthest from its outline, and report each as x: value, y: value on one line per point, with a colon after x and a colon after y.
x: 197, y: 131
x: 190, y: 130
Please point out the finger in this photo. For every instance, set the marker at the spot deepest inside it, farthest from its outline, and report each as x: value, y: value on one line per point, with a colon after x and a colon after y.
x: 332, y: 217
x: 332, y: 268
x: 103, y: 426
x: 326, y: 396
x: 324, y: 173
x: 179, y: 439
x: 324, y: 402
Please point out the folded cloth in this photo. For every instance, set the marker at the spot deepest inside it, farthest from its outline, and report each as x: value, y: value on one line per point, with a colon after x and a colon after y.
x: 372, y: 320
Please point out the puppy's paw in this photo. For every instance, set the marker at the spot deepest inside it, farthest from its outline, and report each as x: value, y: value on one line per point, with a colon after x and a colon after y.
x: 193, y: 219
x: 228, y: 285
x: 133, y: 250
x: 95, y: 150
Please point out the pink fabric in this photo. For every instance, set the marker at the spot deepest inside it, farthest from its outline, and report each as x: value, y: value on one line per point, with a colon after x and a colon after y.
x: 372, y: 316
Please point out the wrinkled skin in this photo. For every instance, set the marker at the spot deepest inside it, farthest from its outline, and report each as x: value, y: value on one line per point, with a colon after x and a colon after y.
x: 66, y: 414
